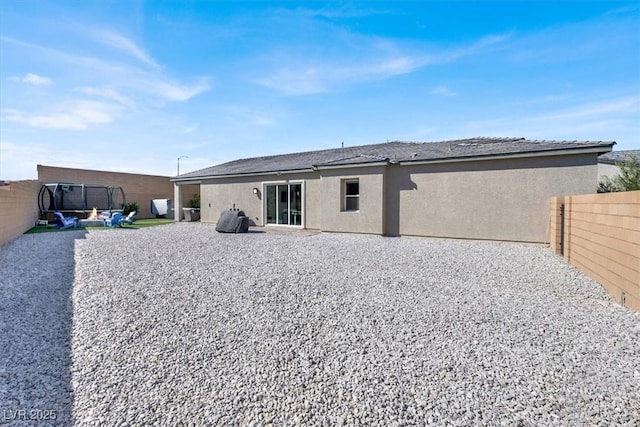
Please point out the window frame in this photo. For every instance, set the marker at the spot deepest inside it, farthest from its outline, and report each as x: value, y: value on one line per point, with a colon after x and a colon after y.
x: 289, y: 184
x: 346, y: 197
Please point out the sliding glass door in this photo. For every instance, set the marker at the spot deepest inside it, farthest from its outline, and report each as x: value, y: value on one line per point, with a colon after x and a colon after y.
x: 284, y: 203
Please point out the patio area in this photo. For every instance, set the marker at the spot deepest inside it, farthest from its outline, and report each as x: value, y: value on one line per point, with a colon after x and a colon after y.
x: 177, y: 323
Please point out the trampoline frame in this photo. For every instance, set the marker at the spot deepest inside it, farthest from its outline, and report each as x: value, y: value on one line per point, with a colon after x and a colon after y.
x: 54, y: 193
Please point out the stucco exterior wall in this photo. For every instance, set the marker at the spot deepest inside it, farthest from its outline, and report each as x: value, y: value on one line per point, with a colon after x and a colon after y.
x: 608, y: 170
x: 370, y: 217
x: 493, y: 199
x: 313, y: 203
x: 222, y: 194
x: 182, y: 196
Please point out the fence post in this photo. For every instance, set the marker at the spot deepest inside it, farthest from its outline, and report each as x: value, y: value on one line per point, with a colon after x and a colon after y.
x: 566, y: 229
x: 562, y: 229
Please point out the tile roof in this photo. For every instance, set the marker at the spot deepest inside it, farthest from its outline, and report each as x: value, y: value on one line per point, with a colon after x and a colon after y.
x: 614, y: 157
x: 395, y: 152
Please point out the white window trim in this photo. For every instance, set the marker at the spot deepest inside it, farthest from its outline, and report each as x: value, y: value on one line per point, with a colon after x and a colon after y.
x: 343, y: 192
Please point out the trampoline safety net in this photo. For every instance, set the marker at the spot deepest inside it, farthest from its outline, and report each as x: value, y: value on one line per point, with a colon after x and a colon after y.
x: 79, y: 198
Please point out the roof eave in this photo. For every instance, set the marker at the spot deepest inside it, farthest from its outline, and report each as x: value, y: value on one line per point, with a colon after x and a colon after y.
x: 238, y: 175
x: 351, y: 165
x: 546, y: 153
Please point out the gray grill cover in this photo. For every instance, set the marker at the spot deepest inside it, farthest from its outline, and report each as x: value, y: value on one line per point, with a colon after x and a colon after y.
x: 232, y: 222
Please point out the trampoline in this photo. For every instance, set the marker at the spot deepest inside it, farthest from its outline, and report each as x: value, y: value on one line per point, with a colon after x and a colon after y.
x: 79, y: 198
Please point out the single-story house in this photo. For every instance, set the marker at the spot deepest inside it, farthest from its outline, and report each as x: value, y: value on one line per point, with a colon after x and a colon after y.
x: 608, y: 162
x: 479, y: 188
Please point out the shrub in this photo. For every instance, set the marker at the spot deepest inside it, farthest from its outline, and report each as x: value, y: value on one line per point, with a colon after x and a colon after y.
x: 195, y: 201
x: 130, y: 207
x: 627, y: 180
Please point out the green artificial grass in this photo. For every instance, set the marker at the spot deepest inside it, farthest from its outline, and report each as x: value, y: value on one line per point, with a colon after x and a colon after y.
x: 140, y: 223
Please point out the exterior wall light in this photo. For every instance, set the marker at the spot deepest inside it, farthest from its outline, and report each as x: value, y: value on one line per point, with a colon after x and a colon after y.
x: 255, y: 190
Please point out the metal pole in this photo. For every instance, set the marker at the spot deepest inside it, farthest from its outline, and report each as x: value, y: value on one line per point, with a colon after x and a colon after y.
x: 181, y: 157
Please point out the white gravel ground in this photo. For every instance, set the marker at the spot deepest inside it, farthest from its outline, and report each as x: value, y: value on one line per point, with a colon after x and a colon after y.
x: 179, y: 324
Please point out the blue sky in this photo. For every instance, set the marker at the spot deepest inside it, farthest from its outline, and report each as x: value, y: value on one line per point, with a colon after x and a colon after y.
x: 131, y: 86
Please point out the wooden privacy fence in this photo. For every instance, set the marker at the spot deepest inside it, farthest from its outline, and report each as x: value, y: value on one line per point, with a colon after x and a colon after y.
x: 600, y: 235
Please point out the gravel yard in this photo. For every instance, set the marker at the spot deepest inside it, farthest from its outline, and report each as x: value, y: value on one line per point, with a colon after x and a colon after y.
x: 179, y: 324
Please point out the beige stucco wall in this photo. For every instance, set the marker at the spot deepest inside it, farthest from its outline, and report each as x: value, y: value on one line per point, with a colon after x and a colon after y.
x: 322, y: 199
x: 370, y: 217
x: 504, y: 199
x: 222, y: 194
x: 493, y: 199
x: 608, y: 170
x: 183, y: 195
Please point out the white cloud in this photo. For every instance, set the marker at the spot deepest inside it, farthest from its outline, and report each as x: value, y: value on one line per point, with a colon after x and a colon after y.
x: 371, y: 59
x: 295, y: 82
x: 114, y: 75
x: 19, y: 160
x: 549, y: 99
x: 118, y: 41
x: 248, y: 118
x: 57, y: 55
x: 442, y: 90
x: 341, y: 11
x: 70, y: 115
x: 174, y: 91
x: 395, y: 66
x: 35, y: 79
x: 110, y: 94
x: 491, y: 41
x: 608, y: 119
x: 319, y: 78
x: 593, y: 110
x: 572, y: 42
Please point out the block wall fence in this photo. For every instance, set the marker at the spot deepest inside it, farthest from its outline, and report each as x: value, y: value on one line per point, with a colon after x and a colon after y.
x: 137, y: 188
x: 600, y: 235
x: 19, y: 199
x: 18, y: 208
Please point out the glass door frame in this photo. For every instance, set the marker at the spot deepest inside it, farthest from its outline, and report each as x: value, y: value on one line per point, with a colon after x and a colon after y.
x: 288, y: 183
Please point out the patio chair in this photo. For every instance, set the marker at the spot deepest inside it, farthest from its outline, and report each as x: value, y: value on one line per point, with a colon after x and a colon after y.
x: 63, y: 222
x: 116, y: 219
x: 129, y: 219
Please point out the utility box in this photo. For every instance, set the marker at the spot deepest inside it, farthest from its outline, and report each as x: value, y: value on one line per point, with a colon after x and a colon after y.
x: 160, y: 207
x: 191, y: 214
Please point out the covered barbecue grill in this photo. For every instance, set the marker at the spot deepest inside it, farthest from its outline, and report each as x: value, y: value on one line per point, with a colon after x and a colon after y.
x: 232, y: 221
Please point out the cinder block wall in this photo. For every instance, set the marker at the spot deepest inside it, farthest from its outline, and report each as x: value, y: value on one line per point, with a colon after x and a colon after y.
x: 18, y: 208
x: 137, y: 187
x: 602, y: 239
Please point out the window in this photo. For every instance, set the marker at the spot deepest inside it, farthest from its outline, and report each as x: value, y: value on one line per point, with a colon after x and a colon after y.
x: 351, y: 191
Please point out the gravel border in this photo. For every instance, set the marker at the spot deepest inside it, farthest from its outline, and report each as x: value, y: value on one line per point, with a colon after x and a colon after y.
x: 179, y: 324
x: 36, y: 282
